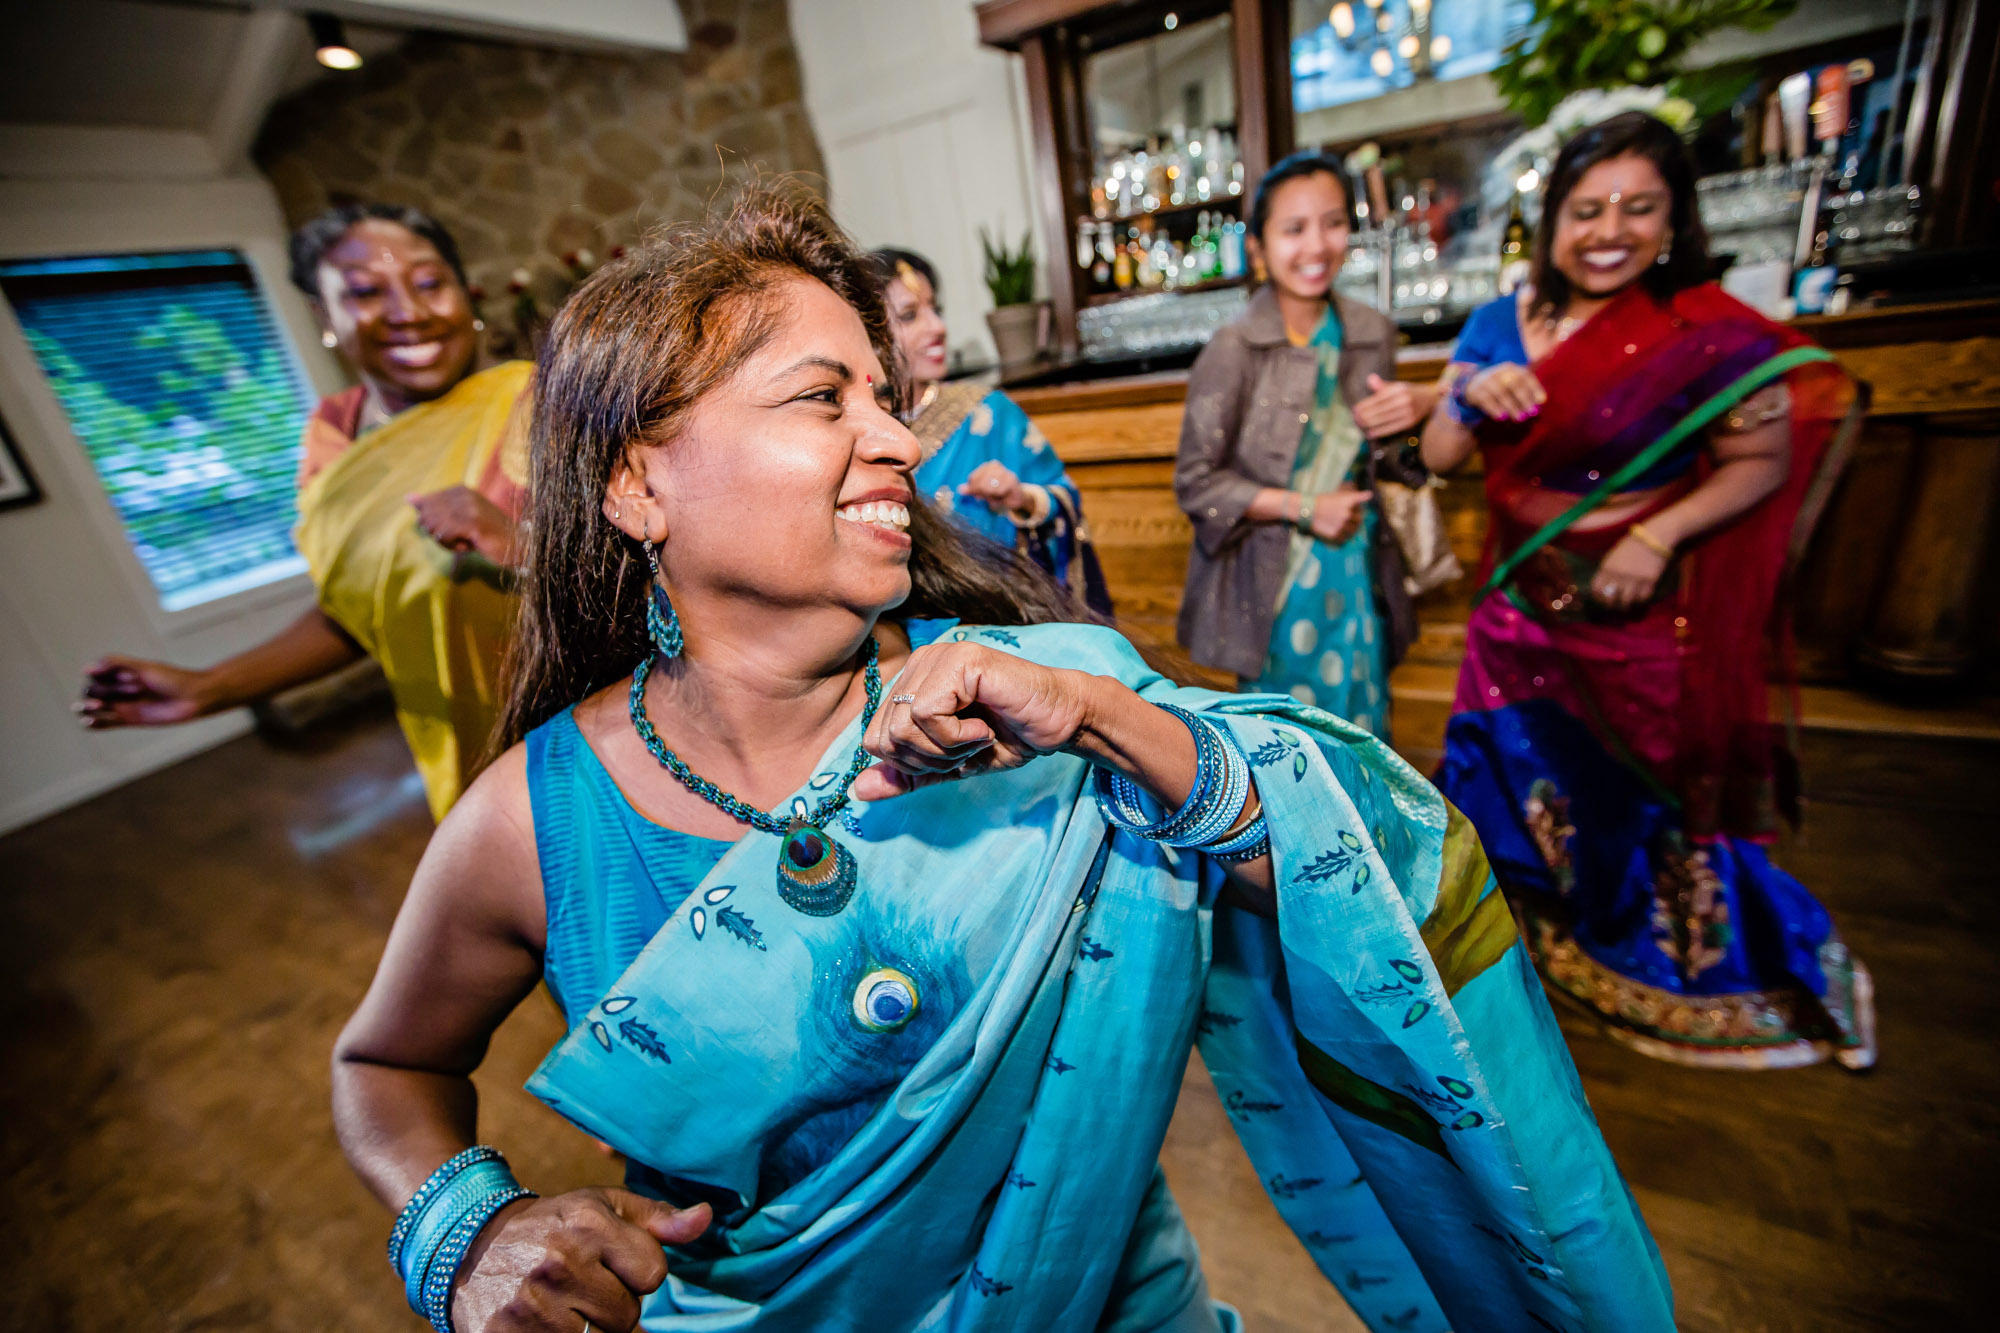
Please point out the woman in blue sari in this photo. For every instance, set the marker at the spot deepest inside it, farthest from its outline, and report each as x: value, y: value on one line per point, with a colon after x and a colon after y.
x: 894, y: 1046
x: 985, y: 464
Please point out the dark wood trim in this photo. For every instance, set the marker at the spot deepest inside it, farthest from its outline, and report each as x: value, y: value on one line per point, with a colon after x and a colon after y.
x: 1945, y: 321
x: 1045, y: 63
x: 1260, y: 30
x: 1008, y: 23
x: 1965, y: 165
x: 1923, y: 97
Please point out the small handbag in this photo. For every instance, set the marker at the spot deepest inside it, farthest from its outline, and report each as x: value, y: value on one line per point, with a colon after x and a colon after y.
x: 1414, y: 515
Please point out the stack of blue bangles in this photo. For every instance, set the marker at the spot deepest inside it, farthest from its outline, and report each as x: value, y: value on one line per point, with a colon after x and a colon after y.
x: 441, y: 1221
x: 1221, y: 789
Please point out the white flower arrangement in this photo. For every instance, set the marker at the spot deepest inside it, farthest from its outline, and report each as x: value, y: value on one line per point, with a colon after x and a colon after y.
x: 1522, y: 165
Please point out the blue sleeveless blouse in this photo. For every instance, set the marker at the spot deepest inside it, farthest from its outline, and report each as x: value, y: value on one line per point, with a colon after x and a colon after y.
x: 611, y: 876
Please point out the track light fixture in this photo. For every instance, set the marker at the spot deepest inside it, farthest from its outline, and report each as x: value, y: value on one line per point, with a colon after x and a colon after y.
x: 330, y: 46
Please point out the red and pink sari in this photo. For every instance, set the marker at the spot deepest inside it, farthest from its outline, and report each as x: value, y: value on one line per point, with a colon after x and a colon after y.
x: 1622, y: 768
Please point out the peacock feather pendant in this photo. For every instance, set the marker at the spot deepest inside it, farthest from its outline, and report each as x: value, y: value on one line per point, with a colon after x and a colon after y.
x: 816, y: 875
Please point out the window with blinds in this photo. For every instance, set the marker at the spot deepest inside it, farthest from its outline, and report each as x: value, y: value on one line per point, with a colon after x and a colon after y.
x: 187, y: 398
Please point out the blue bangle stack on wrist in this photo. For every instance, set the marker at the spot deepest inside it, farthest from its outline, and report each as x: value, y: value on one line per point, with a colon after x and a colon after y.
x: 437, y: 1227
x: 1205, y: 818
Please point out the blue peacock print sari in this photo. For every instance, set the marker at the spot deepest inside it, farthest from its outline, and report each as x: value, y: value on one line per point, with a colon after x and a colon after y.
x: 942, y: 1108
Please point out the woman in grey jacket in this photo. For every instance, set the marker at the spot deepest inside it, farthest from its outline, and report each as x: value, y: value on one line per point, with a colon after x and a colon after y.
x: 1294, y: 583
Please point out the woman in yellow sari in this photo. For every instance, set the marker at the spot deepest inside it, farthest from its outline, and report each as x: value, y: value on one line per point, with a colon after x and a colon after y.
x: 410, y: 496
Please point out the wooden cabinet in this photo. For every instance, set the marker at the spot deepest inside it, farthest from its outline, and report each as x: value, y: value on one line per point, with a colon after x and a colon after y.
x: 1058, y: 40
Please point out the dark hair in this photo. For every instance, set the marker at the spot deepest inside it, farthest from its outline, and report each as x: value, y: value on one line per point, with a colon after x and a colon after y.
x: 1637, y: 134
x: 890, y: 258
x: 1297, y: 166
x: 628, y: 356
x: 311, y: 241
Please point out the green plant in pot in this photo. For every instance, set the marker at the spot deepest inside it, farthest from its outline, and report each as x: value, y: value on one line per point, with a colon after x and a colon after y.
x: 1017, y: 321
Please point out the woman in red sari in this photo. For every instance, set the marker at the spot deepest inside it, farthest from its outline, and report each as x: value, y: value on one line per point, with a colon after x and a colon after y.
x: 1648, y: 443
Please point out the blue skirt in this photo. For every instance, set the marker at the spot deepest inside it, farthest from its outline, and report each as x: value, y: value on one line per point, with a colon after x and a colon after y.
x: 1702, y: 952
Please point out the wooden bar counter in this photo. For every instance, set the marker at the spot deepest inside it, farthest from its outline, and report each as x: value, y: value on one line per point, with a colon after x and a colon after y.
x: 1897, y: 589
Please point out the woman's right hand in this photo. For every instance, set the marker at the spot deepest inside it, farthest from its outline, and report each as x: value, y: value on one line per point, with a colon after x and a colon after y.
x: 128, y: 692
x: 1506, y: 392
x: 1337, y: 514
x: 551, y: 1265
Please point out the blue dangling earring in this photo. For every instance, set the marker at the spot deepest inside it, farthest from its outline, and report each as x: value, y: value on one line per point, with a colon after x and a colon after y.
x: 663, y: 625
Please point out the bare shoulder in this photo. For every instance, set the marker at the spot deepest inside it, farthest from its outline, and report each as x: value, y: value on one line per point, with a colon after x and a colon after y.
x: 483, y: 855
x: 497, y: 802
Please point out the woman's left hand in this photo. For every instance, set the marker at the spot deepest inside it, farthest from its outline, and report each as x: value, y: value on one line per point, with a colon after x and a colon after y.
x: 1628, y: 575
x: 975, y: 710
x: 998, y: 487
x: 1392, y: 408
x: 460, y: 519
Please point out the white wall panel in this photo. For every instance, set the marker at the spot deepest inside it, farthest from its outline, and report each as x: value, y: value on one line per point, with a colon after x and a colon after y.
x: 924, y: 135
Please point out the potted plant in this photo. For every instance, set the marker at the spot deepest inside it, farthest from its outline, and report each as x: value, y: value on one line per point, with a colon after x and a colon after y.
x: 1017, y: 320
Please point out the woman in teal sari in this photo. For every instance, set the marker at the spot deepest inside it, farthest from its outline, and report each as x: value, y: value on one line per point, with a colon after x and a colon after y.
x: 1295, y: 583
x: 985, y: 462
x: 894, y: 1046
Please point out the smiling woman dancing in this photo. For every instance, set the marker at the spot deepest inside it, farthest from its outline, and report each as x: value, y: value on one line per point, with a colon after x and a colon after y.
x: 894, y: 1047
x: 1649, y: 445
x: 426, y: 593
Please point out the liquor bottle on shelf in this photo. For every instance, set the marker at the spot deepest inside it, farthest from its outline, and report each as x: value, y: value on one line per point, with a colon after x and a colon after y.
x: 1160, y: 257
x: 1107, y: 255
x: 1122, y: 273
x: 1234, y: 262
x: 1513, y: 249
x: 1813, y: 284
x: 1086, y: 248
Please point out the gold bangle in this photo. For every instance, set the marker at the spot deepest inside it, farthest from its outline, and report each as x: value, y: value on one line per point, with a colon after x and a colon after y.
x: 1650, y: 542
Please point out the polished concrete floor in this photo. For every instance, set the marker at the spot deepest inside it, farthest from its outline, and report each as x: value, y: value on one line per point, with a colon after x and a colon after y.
x: 184, y: 949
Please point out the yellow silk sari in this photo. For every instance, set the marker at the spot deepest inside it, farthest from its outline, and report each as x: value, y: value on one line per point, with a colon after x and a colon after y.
x: 437, y: 621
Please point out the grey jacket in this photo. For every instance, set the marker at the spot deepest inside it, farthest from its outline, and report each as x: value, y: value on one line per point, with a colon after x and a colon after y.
x: 1248, y: 398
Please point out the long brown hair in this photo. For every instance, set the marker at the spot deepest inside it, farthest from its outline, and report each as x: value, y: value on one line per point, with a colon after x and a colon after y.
x: 627, y: 358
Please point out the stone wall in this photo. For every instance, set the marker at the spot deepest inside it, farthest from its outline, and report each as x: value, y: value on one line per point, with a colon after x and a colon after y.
x: 532, y: 157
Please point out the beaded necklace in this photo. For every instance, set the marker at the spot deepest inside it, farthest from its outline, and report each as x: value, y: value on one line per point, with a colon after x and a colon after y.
x: 816, y: 874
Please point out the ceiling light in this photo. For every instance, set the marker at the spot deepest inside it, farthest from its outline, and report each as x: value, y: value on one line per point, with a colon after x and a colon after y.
x: 1407, y: 48
x: 1440, y: 49
x: 1343, y: 21
x: 330, y: 46
x: 1382, y: 63
x: 1173, y: 21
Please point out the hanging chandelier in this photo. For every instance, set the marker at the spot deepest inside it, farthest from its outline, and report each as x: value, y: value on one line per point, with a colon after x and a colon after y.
x: 1408, y: 42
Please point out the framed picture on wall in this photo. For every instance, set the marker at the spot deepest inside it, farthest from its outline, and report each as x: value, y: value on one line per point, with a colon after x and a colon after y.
x: 17, y: 484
